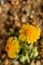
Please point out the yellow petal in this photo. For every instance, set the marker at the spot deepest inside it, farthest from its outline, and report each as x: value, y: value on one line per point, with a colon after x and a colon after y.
x: 22, y: 37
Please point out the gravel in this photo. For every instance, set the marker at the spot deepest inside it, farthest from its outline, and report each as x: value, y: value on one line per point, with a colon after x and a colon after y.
x: 14, y: 13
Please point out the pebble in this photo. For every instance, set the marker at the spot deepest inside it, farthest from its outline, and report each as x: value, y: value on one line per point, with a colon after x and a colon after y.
x: 32, y: 63
x: 38, y: 63
x: 3, y: 56
x: 6, y: 62
x: 15, y: 62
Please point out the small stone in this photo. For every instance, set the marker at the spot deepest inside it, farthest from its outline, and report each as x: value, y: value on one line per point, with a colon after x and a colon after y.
x: 31, y: 16
x: 3, y: 56
x: 11, y: 30
x: 32, y: 63
x: 6, y: 62
x: 42, y: 49
x: 16, y: 62
x: 38, y: 62
x: 42, y: 61
x: 24, y: 19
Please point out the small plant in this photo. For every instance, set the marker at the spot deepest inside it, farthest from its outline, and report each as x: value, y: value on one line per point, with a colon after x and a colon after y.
x: 22, y: 47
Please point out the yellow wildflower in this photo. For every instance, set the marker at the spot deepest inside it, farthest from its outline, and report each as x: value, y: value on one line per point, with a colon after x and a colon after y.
x: 29, y: 33
x: 12, y: 47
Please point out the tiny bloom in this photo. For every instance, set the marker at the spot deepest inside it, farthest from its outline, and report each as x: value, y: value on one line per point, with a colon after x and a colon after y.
x: 29, y: 33
x: 12, y: 47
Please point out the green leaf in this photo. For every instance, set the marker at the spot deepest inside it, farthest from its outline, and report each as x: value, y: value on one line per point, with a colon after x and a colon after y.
x: 34, y: 53
x: 23, y: 58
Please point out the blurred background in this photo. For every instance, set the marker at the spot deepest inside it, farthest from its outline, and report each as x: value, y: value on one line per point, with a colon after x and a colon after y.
x: 14, y: 13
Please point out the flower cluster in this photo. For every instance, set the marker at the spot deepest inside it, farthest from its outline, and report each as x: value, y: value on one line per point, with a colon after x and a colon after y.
x: 22, y: 47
